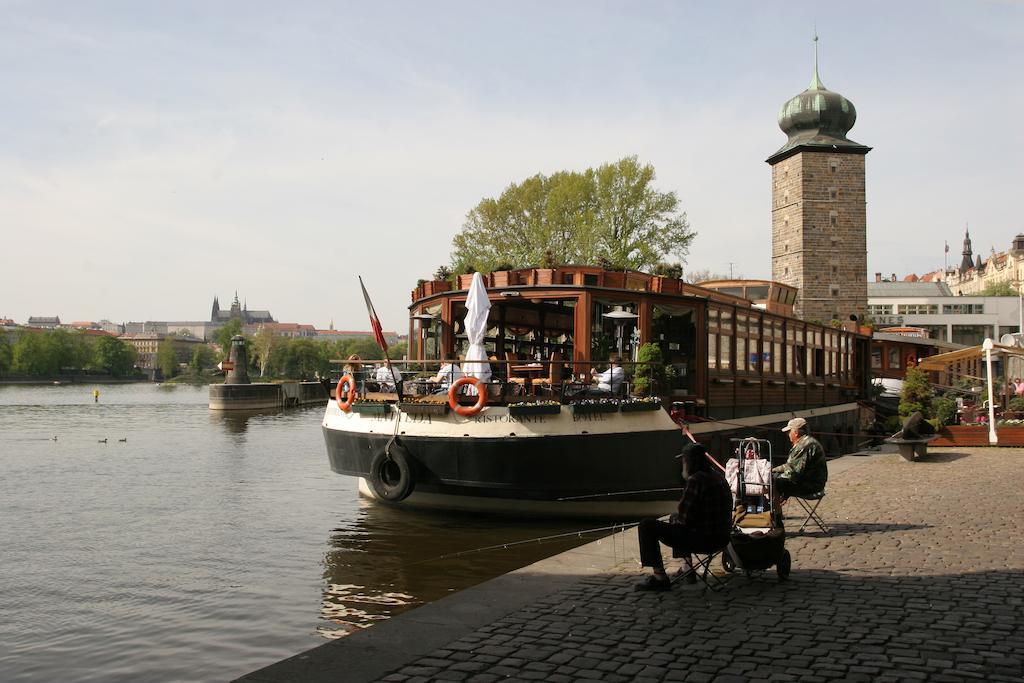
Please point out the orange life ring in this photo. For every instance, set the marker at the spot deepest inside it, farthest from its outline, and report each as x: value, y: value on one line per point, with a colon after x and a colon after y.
x: 345, y: 405
x: 481, y: 396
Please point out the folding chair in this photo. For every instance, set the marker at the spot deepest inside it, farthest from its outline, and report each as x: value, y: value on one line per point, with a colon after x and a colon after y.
x: 702, y: 568
x: 810, y: 505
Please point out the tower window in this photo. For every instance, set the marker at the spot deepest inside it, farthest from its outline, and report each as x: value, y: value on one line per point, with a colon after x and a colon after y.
x: 833, y: 219
x: 833, y: 166
x: 833, y: 290
x: 833, y: 193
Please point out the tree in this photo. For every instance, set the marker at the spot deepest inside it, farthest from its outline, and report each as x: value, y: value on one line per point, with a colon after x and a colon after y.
x: 1003, y: 288
x: 706, y: 275
x: 665, y: 269
x: 202, y: 357
x: 30, y: 356
x: 167, y: 358
x: 262, y: 345
x: 6, y: 354
x: 114, y: 356
x: 917, y: 393
x: 223, y: 335
x: 610, y: 214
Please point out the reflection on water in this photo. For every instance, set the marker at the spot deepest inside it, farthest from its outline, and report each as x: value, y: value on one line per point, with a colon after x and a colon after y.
x: 388, y: 559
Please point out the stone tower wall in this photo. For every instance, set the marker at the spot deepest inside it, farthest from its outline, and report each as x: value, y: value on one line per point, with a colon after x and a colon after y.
x: 819, y: 233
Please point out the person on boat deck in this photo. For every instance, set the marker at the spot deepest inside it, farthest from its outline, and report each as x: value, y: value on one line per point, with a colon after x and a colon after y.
x: 609, y: 381
x: 353, y: 366
x: 703, y: 523
x: 805, y: 472
x: 388, y: 377
x: 448, y: 373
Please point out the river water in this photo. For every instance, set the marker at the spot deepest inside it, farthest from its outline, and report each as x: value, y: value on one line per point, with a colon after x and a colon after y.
x: 194, y: 546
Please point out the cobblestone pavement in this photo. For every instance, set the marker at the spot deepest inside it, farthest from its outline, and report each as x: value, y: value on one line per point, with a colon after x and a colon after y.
x: 921, y: 578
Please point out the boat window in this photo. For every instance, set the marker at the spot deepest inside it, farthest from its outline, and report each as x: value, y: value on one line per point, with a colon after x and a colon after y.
x: 429, y: 331
x: 613, y: 324
x: 522, y: 328
x: 876, y: 358
x: 757, y: 293
x: 590, y: 279
x: 741, y: 353
x: 712, y: 350
x: 894, y: 358
x: 734, y: 291
x: 674, y: 330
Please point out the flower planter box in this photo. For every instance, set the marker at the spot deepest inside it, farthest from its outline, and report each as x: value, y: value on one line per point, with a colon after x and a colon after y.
x: 424, y: 408
x: 465, y: 281
x: 535, y: 409
x: 615, y: 280
x: 639, y: 406
x: 977, y: 435
x: 435, y: 286
x: 499, y: 278
x: 591, y: 408
x: 544, y: 276
x: 372, y: 408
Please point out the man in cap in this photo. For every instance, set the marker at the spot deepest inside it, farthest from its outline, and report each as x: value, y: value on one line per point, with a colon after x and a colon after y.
x: 805, y: 471
x: 703, y: 522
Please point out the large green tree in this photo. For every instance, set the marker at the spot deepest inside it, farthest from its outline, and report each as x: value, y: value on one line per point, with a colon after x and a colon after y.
x: 611, y: 214
x: 114, y: 356
x: 6, y: 354
x: 224, y: 334
x: 167, y: 358
x: 999, y: 289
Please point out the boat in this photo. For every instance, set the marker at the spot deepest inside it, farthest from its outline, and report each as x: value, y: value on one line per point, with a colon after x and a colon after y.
x: 533, y: 438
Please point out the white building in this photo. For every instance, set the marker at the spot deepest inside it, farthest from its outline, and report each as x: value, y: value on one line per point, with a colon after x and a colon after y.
x: 964, y: 320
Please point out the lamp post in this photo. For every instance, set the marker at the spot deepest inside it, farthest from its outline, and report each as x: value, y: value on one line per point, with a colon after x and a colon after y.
x: 988, y: 345
x: 620, y: 318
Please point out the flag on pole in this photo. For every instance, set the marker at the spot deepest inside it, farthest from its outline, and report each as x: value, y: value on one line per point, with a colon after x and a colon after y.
x: 378, y: 334
x: 947, y: 247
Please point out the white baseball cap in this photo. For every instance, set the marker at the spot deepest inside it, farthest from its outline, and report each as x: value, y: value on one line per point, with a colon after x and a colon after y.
x: 795, y: 423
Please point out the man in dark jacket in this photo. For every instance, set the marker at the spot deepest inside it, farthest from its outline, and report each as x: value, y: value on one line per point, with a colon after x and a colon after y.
x: 805, y: 471
x: 702, y: 524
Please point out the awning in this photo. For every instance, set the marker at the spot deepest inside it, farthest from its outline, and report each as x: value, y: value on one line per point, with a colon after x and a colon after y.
x: 942, y: 361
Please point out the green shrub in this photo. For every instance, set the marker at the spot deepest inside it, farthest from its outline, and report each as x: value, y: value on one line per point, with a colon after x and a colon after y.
x: 917, y: 393
x: 893, y: 424
x: 944, y: 409
x: 1017, y: 404
x: 649, y: 372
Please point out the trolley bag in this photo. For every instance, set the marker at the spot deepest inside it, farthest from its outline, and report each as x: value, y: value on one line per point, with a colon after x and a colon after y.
x: 759, y: 549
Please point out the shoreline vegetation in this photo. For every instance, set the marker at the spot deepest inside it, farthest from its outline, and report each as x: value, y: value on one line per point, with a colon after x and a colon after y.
x: 33, y: 356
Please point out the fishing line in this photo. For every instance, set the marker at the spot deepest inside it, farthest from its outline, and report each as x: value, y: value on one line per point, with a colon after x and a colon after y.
x: 540, y: 539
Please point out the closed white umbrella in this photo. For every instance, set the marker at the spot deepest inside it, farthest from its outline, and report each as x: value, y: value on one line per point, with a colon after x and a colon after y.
x: 478, y: 306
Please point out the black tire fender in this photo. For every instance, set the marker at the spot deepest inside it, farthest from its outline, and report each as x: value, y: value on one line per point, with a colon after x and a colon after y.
x: 391, y: 474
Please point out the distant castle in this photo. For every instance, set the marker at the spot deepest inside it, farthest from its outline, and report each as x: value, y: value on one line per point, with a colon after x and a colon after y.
x: 240, y: 312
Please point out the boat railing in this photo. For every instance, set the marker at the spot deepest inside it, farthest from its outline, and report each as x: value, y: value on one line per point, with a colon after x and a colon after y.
x: 510, y: 381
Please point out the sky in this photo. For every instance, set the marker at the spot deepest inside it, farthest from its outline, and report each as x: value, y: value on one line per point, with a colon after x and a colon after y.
x: 156, y: 154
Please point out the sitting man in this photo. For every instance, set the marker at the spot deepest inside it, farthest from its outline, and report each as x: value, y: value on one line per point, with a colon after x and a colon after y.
x: 448, y: 373
x: 805, y: 471
x: 388, y: 377
x: 703, y: 523
x: 610, y: 381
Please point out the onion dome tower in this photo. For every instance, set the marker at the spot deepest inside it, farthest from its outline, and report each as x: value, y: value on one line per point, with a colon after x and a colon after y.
x: 819, y: 220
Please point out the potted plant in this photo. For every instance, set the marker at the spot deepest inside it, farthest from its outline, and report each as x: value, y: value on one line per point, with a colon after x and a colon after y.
x: 371, y: 408
x: 589, y: 406
x: 649, y: 372
x: 412, y: 407
x: 636, y: 405
x: 535, y: 408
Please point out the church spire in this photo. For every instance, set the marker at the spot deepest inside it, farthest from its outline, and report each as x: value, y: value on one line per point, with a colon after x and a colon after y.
x: 967, y: 262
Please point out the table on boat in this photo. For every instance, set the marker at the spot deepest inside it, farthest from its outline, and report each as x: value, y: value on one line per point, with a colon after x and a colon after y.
x: 528, y: 372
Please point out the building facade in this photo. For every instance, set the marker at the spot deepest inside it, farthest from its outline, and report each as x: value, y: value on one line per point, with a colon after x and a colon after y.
x: 932, y: 306
x: 819, y: 218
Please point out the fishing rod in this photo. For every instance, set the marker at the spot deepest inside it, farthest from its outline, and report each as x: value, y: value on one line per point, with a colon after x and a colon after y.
x: 505, y: 546
x: 620, y: 493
